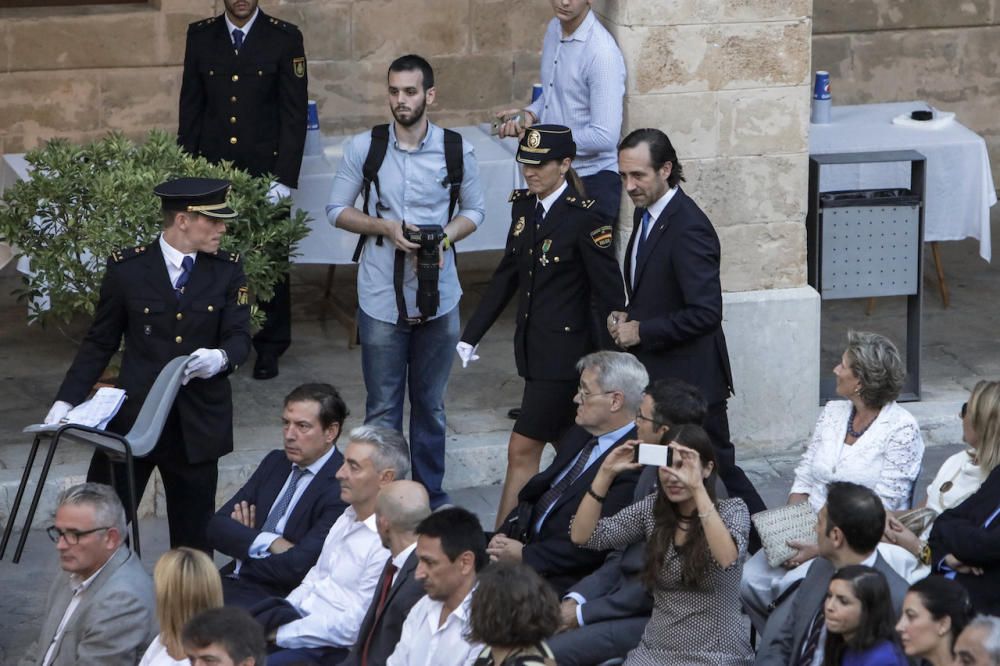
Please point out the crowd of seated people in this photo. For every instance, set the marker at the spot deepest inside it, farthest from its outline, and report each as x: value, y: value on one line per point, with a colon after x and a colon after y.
x: 605, y: 557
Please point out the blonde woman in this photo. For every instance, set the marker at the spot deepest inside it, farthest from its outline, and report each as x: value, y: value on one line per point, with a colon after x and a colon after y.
x: 186, y: 583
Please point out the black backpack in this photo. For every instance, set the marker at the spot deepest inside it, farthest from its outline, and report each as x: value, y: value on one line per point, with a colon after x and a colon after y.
x: 373, y: 162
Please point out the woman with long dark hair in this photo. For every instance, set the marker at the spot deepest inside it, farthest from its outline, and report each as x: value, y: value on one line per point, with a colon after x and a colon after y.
x: 859, y: 620
x: 935, y: 611
x: 694, y: 558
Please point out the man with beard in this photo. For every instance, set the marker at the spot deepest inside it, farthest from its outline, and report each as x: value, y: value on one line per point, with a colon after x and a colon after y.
x: 244, y: 100
x: 403, y: 343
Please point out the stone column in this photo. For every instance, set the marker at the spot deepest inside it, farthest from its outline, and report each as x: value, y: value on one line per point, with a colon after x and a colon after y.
x: 728, y: 81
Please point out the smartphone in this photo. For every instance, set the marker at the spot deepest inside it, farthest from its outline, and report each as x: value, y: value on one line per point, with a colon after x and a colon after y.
x: 495, y: 123
x: 659, y: 455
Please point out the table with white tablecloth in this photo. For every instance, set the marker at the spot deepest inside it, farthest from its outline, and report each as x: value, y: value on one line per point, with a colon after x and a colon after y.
x: 959, y: 188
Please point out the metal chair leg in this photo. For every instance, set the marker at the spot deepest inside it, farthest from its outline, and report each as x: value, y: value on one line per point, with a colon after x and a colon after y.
x: 9, y: 527
x: 35, y: 499
x: 133, y: 505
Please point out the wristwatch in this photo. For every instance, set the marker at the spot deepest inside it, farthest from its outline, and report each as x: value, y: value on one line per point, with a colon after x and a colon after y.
x: 925, y: 553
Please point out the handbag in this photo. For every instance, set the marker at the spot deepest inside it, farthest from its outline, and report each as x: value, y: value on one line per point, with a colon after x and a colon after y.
x: 776, y: 527
x: 917, y: 520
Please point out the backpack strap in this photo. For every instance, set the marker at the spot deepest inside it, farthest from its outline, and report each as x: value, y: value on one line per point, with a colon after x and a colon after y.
x: 369, y: 175
x: 456, y: 168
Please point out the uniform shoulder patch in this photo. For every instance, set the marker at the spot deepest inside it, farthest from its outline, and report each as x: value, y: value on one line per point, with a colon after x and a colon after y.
x: 517, y: 194
x: 222, y: 255
x: 118, y: 256
x: 198, y: 26
x: 603, y: 236
x: 580, y: 203
x: 283, y: 25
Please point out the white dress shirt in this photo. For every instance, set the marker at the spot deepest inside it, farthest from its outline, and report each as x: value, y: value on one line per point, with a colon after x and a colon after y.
x: 334, y: 595
x: 654, y: 213
x: 427, y: 642
x: 173, y: 257
x: 245, y: 28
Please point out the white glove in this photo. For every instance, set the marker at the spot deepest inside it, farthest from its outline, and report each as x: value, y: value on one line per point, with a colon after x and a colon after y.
x: 467, y: 353
x: 277, y: 192
x: 204, y: 363
x: 58, y: 412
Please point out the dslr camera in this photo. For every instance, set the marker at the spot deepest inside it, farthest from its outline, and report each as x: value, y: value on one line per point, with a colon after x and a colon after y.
x: 428, y: 257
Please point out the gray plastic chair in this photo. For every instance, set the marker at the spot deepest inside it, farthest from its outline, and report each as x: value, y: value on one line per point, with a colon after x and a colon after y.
x: 139, y: 441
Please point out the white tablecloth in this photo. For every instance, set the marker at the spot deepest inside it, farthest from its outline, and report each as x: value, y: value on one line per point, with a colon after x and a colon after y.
x: 959, y: 189
x: 326, y: 244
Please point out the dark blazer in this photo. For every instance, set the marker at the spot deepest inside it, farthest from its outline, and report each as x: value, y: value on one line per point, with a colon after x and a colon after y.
x: 138, y: 302
x: 556, y: 271
x: 247, y: 107
x: 959, y: 531
x: 306, y: 527
x: 113, y: 624
x: 677, y: 298
x: 550, y: 551
x: 788, y: 625
x: 404, y: 593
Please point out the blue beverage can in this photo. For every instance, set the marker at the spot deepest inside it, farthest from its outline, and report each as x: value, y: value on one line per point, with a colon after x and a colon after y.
x: 821, y: 88
x: 536, y: 91
x: 312, y: 118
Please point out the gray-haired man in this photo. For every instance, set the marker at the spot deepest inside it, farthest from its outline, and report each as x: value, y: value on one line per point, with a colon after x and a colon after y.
x: 101, y: 607
x: 979, y: 643
x: 320, y: 618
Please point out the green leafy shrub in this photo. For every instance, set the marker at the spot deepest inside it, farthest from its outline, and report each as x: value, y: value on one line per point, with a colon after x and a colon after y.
x: 81, y: 203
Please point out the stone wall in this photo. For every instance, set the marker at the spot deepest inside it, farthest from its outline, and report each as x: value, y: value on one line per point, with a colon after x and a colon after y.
x: 80, y: 72
x: 897, y: 50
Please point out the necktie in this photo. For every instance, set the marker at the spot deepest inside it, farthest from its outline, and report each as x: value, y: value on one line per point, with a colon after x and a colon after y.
x: 551, y: 496
x: 539, y: 215
x: 187, y: 263
x: 286, y: 498
x: 237, y: 38
x: 643, y: 230
x: 389, y: 572
x: 811, y: 644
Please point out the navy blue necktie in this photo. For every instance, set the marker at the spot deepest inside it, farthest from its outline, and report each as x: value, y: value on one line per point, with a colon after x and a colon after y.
x: 237, y: 38
x: 281, y: 507
x: 539, y: 215
x: 187, y: 263
x: 643, y: 231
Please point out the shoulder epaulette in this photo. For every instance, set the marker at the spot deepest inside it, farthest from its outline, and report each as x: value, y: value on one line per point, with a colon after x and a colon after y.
x: 222, y: 255
x: 517, y: 194
x: 118, y: 256
x: 197, y: 26
x: 283, y: 25
x: 580, y: 203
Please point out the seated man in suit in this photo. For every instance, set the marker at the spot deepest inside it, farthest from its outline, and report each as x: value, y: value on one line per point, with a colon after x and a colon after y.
x: 274, y: 527
x: 965, y: 545
x: 101, y: 608
x: 319, y: 620
x: 604, y: 615
x: 848, y: 530
x: 224, y: 637
x: 537, y: 531
x: 399, y: 509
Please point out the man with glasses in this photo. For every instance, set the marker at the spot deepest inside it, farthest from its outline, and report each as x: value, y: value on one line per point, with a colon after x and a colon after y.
x: 101, y: 608
x: 537, y: 531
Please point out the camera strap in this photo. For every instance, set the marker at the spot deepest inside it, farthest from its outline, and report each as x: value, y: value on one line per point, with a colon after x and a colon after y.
x: 398, y: 268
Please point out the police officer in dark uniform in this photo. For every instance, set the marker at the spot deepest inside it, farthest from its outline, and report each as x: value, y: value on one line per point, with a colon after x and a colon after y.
x: 560, y: 262
x: 178, y: 295
x: 244, y: 99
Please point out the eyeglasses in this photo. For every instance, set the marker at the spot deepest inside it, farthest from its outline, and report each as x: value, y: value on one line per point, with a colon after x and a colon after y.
x: 72, y: 536
x: 586, y: 395
x: 656, y: 424
x: 965, y: 408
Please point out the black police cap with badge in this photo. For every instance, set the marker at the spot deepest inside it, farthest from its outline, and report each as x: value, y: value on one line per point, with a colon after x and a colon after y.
x: 542, y: 143
x: 205, y: 196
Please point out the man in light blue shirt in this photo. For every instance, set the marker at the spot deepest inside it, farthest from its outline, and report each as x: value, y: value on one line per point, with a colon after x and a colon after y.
x: 400, y: 349
x: 583, y: 84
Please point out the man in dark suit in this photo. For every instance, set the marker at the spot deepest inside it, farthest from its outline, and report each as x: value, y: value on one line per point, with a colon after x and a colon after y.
x: 965, y: 545
x: 275, y: 525
x: 179, y: 295
x: 848, y: 531
x: 398, y: 510
x: 244, y: 99
x: 604, y: 615
x: 673, y: 321
x: 537, y: 531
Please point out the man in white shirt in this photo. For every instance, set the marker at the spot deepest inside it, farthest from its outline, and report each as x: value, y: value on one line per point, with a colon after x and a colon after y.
x: 320, y: 619
x: 451, y: 549
x: 101, y: 607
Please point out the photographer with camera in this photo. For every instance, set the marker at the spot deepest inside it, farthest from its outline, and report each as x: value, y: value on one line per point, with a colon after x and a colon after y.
x: 412, y: 175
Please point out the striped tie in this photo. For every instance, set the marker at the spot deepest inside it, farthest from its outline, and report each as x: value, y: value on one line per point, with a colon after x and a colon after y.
x: 286, y: 498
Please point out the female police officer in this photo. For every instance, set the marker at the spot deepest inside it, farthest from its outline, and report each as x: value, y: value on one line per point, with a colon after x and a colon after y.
x: 560, y: 261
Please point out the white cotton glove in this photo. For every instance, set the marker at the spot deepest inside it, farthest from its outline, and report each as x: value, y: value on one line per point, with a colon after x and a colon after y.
x: 204, y: 363
x: 467, y: 353
x: 57, y: 412
x: 277, y: 192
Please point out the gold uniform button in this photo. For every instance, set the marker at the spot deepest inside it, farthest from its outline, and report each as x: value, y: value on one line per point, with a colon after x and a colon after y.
x: 145, y: 311
x: 233, y: 99
x: 179, y: 316
x: 528, y: 294
x: 260, y: 72
x: 232, y: 120
x: 178, y: 339
x: 211, y: 72
x: 236, y: 77
x: 233, y: 140
x: 531, y: 251
x: 566, y: 329
x: 211, y: 308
